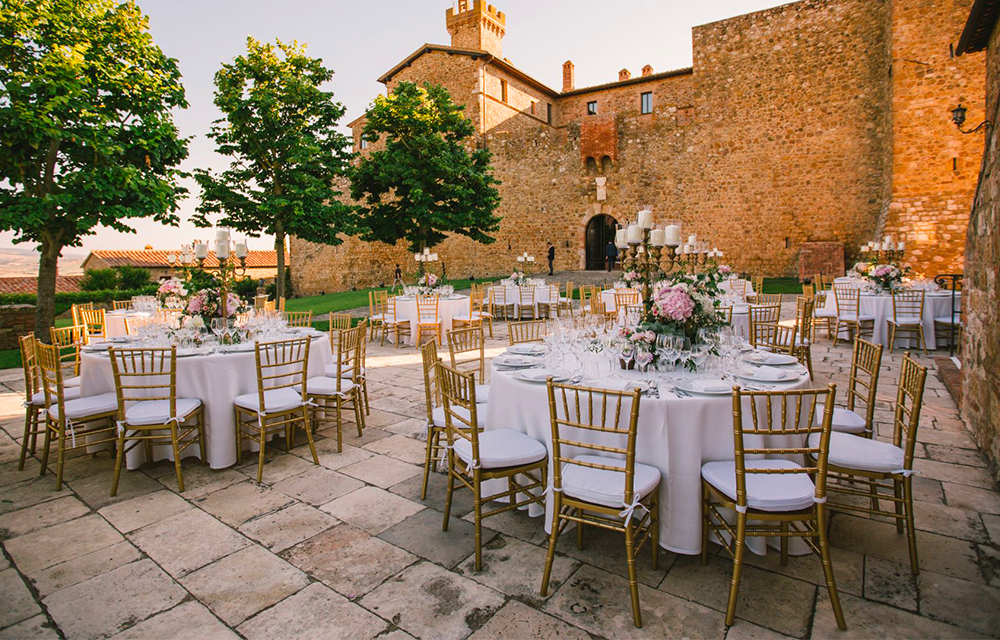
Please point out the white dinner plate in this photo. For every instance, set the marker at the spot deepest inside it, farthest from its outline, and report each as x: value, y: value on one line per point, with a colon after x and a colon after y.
x: 190, y: 351
x: 239, y: 348
x: 541, y: 375
x: 767, y: 374
x: 94, y: 348
x: 771, y: 359
x: 705, y: 386
x: 526, y: 349
x: 515, y: 361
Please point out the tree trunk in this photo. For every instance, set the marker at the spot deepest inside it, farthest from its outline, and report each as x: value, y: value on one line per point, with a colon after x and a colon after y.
x: 45, y: 309
x: 279, y: 247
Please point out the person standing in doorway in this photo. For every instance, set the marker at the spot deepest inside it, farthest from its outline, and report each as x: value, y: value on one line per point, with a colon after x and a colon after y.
x: 611, y: 253
x: 552, y: 257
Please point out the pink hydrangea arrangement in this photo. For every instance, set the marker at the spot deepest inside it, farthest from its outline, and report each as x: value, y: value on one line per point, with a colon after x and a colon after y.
x: 427, y: 284
x: 171, y: 289
x: 518, y: 278
x: 885, y: 277
x: 206, y: 303
x: 631, y: 278
x: 672, y: 304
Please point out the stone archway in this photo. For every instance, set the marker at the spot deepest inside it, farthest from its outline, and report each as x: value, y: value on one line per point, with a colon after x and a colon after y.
x: 599, y: 232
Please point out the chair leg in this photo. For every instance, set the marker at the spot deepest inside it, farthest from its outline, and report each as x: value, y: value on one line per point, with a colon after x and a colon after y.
x: 836, y: 333
x: 45, y: 447
x: 177, y: 456
x: 911, y: 532
x: 478, y: 507
x: 892, y: 335
x: 553, y: 538
x: 239, y: 438
x: 897, y: 490
x: 260, y: 456
x: 738, y: 547
x: 809, y: 361
x: 28, y: 413
x: 706, y: 518
x: 359, y: 409
x: 451, y: 489
x: 118, y: 462
x: 202, y: 446
x: 824, y: 554
x: 364, y: 388
x: 309, y: 435
x: 633, y: 584
x: 579, y: 531
x: 431, y: 443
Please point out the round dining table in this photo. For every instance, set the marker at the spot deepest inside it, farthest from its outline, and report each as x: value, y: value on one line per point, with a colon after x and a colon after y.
x: 677, y: 434
x: 937, y: 304
x: 448, y: 308
x: 114, y: 321
x: 214, y: 376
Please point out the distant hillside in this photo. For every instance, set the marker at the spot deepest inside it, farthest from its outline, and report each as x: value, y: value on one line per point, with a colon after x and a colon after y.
x: 18, y: 261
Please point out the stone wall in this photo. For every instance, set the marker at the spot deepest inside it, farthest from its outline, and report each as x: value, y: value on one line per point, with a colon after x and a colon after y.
x: 16, y: 320
x: 981, y: 338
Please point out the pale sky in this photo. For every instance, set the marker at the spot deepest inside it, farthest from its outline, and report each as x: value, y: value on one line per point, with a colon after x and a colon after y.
x: 362, y: 39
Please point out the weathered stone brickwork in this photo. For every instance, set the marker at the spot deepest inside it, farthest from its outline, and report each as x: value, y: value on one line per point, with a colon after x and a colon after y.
x: 15, y: 320
x: 799, y: 124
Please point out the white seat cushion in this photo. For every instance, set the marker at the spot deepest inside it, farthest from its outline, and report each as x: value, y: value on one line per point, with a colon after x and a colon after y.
x: 941, y: 319
x: 69, y: 393
x: 607, y: 487
x: 765, y: 491
x: 71, y: 382
x: 438, y: 414
x: 850, y: 317
x: 906, y: 321
x: 802, y: 342
x: 467, y: 318
x: 855, y: 452
x: 824, y: 313
x: 330, y: 371
x: 274, y: 400
x: 324, y: 386
x: 376, y: 317
x: 500, y: 448
x: 84, y: 407
x: 844, y: 420
x: 482, y: 393
x: 158, y: 411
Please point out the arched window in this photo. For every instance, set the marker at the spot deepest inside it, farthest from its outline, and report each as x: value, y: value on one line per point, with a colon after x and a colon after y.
x: 605, y: 164
x: 591, y: 165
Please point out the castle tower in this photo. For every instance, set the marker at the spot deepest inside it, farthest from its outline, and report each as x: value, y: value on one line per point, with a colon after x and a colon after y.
x: 480, y: 26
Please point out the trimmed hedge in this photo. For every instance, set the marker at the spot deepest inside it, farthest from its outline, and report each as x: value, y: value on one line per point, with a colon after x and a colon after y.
x: 66, y: 300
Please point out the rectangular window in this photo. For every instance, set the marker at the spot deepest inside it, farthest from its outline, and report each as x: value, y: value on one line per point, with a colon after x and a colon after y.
x: 503, y: 91
x: 548, y: 112
x: 592, y: 108
x: 532, y: 107
x: 647, y: 102
x: 363, y: 143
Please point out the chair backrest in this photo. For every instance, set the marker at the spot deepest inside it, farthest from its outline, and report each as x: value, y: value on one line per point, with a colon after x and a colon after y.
x: 144, y: 374
x: 348, y: 354
x: 774, y: 337
x: 758, y: 284
x: 569, y: 291
x: 432, y: 388
x: 907, y: 304
x: 804, y: 307
x: 764, y: 314
x: 29, y: 366
x: 467, y: 348
x: 553, y: 294
x: 808, y: 291
x: 738, y: 287
x: 68, y: 341
x: 586, y: 293
x: 909, y: 402
x: 93, y: 319
x: 51, y: 376
x: 270, y: 305
x: 77, y: 318
x: 862, y: 383
x: 625, y: 297
x: 527, y: 331
x: 458, y: 396
x: 526, y: 294
x: 725, y: 314
x: 340, y: 321
x: 499, y: 295
x: 794, y: 419
x: 768, y: 299
x: 121, y: 304
x: 427, y: 310
x: 281, y: 364
x: 581, y: 416
x: 260, y: 302
x: 476, y: 301
x: 848, y: 300
x: 298, y: 318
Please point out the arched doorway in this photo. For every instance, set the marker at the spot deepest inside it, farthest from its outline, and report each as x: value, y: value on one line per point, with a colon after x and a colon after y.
x: 600, y: 231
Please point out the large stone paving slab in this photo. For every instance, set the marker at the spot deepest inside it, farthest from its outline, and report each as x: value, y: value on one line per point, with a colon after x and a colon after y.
x: 187, y: 541
x: 515, y: 568
x: 372, y: 509
x: 318, y: 486
x: 430, y: 602
x: 517, y: 620
x: 382, y: 471
x: 421, y: 534
x: 138, y: 512
x: 244, y: 501
x: 18, y: 603
x: 50, y: 546
x: 282, y: 529
x: 866, y: 619
x: 187, y: 621
x: 102, y: 606
x: 84, y: 567
x: 46, y: 514
x: 314, y: 612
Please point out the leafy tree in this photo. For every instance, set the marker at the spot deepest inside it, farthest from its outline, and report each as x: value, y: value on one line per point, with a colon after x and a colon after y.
x: 424, y: 182
x: 99, y: 280
x: 280, y: 129
x: 130, y: 277
x: 246, y: 288
x: 86, y: 126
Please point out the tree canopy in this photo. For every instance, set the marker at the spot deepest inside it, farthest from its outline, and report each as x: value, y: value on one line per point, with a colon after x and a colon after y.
x: 423, y: 182
x: 86, y: 125
x: 280, y: 129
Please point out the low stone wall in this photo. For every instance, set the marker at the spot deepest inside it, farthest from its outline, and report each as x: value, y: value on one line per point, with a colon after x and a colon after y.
x: 15, y: 321
x: 826, y: 258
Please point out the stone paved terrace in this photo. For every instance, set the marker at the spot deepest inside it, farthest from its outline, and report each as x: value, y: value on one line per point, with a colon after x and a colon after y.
x: 347, y: 549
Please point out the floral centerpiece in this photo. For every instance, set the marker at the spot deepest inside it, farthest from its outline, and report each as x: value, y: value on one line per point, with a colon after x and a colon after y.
x: 635, y: 345
x: 630, y: 278
x: 172, y: 293
x: 207, y: 305
x: 518, y: 278
x: 884, y: 277
x: 427, y: 284
x: 684, y: 303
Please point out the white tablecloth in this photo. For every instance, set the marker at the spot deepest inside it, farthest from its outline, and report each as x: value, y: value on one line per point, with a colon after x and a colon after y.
x: 727, y: 287
x: 608, y: 298
x: 675, y: 435
x: 114, y: 322
x: 936, y: 305
x: 216, y: 380
x: 448, y: 308
x: 513, y: 294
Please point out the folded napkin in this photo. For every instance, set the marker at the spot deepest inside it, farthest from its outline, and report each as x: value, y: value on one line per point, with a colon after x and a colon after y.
x: 613, y: 384
x: 711, y: 385
x: 768, y: 373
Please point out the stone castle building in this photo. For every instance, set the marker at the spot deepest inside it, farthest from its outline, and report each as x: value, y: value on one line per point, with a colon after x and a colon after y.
x: 799, y: 133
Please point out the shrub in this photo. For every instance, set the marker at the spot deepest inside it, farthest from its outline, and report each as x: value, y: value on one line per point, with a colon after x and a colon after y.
x: 65, y: 300
x: 198, y: 279
x: 246, y: 288
x: 130, y: 277
x: 99, y: 280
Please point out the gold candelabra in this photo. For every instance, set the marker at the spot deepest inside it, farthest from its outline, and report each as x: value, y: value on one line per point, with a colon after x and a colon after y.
x: 884, y: 250
x: 232, y: 264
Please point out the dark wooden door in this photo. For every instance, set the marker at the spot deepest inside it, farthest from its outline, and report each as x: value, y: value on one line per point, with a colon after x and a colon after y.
x: 600, y: 231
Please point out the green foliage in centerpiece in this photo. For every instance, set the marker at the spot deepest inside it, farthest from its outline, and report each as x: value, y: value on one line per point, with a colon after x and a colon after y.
x: 884, y: 277
x: 683, y: 303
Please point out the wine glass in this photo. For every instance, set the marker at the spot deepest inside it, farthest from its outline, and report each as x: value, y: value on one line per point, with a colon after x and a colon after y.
x: 628, y: 353
x: 219, y: 326
x: 683, y: 346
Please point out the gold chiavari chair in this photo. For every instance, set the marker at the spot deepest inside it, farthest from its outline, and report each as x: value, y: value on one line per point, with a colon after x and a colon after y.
x: 598, y: 309
x: 68, y: 342
x: 550, y: 307
x: 475, y: 456
x: 298, y: 318
x: 471, y: 318
x: 435, y: 412
x: 849, y: 314
x: 270, y: 305
x: 334, y: 393
x: 391, y: 322
x: 121, y: 304
x: 527, y: 331
x: 822, y: 315
x: 775, y: 338
x: 907, y: 317
x: 427, y: 317
x: 377, y: 303
x: 768, y: 299
x: 817, y: 281
x: 758, y: 287
x: 260, y: 302
x: 803, y: 332
x: 93, y: 320
x: 566, y: 303
x: 340, y: 321
x: 467, y: 349
x: 593, y: 483
x: 278, y: 403
x: 501, y: 306
x: 34, y: 397
x: 281, y: 304
x: 362, y: 379
x: 725, y: 314
x: 762, y: 315
x: 808, y: 291
x: 526, y: 302
x: 149, y: 411
x: 586, y: 299
x: 73, y: 423
x: 625, y: 298
x: 738, y: 287
x: 885, y: 469
x: 862, y: 391
x: 772, y: 496
x: 76, y: 308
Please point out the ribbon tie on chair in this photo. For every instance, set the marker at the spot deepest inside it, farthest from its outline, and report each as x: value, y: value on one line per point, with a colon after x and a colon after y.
x: 630, y: 509
x: 551, y: 489
x: 72, y: 432
x: 474, y: 464
x: 906, y: 473
x: 445, y: 448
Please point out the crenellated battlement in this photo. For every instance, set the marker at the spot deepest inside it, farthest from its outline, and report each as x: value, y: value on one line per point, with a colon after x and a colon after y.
x: 476, y: 25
